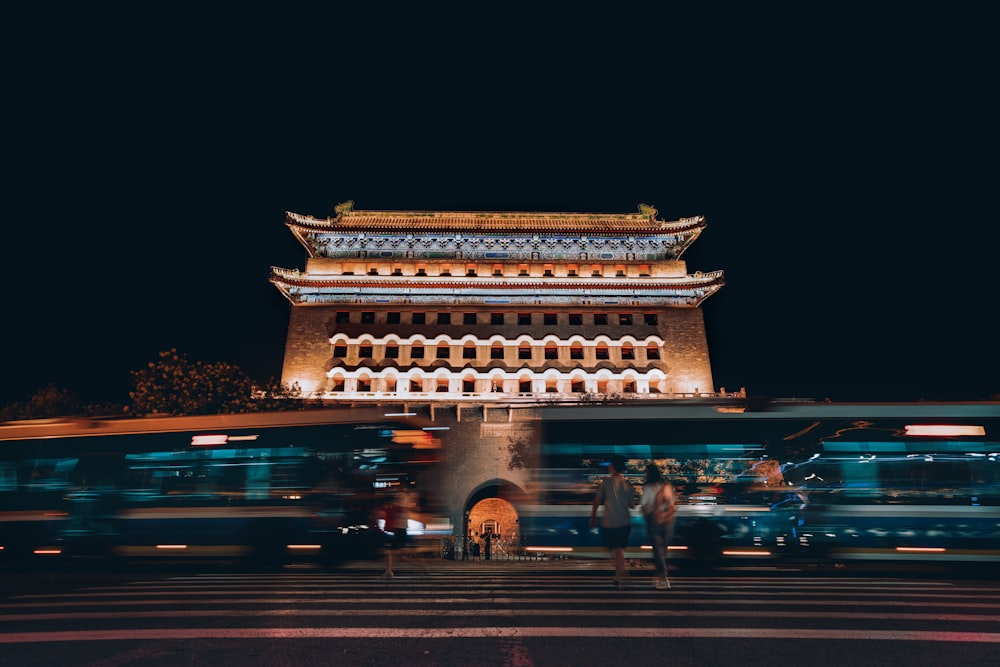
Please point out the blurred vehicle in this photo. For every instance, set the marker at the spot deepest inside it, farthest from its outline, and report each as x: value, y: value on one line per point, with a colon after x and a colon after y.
x: 295, y: 488
x: 907, y: 500
x: 732, y: 502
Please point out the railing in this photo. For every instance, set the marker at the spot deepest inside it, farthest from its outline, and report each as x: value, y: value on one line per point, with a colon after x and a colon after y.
x: 520, y: 397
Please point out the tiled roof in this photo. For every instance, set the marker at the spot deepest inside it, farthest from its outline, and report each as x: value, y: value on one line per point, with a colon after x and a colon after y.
x: 300, y: 279
x: 495, y: 222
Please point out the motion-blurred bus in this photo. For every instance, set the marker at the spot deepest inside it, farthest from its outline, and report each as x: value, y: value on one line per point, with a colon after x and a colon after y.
x: 733, y: 503
x: 267, y: 489
x: 923, y: 495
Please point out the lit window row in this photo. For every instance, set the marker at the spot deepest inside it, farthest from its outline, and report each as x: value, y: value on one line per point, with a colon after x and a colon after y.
x: 500, y: 318
x: 524, y: 351
x: 544, y: 270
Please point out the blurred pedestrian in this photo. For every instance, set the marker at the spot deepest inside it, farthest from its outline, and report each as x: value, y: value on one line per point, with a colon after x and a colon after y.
x: 617, y: 497
x: 396, y: 516
x: 658, y: 508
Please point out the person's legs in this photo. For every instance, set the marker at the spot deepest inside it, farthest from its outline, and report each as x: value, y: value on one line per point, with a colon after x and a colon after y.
x: 657, y: 538
x: 388, y: 562
x: 621, y: 573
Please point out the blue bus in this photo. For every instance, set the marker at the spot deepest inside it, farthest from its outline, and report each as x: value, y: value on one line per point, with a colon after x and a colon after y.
x: 917, y: 500
x: 733, y: 501
x: 267, y: 489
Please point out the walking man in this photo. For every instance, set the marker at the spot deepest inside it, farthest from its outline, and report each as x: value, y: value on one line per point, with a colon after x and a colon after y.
x: 617, y: 497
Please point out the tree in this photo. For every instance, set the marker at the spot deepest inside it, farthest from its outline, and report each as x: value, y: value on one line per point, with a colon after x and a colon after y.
x: 175, y: 386
x: 47, y: 403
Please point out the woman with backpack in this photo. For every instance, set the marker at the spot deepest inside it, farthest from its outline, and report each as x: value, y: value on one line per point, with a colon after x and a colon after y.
x: 657, y: 505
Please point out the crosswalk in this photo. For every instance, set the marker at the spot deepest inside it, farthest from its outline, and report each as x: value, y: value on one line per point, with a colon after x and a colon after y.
x: 517, y: 601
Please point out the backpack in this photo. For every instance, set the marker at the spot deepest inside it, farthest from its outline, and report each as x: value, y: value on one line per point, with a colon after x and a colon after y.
x: 663, y: 511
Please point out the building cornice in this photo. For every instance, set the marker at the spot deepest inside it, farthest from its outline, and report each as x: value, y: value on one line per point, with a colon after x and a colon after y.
x: 305, y: 288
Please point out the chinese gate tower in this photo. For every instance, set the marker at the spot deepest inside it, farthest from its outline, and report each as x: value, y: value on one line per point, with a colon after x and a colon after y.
x: 489, y: 306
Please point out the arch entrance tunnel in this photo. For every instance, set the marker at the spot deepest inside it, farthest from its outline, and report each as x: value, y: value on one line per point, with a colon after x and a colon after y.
x: 491, y: 523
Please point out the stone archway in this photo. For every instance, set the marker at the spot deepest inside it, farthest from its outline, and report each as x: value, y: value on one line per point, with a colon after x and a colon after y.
x: 492, y: 508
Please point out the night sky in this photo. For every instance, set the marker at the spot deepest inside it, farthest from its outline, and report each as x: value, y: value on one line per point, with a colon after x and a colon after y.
x: 843, y: 162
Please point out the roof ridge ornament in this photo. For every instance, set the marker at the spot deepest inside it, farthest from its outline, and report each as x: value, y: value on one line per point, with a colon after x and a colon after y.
x: 344, y: 207
x: 646, y: 209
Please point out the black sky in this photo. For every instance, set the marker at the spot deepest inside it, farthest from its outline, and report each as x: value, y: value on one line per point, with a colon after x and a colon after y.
x: 845, y: 163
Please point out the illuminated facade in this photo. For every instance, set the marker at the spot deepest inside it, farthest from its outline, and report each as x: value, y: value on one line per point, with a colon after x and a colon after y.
x: 486, y: 306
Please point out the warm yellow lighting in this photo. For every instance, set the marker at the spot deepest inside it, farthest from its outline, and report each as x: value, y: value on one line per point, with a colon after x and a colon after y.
x: 944, y: 430
x: 749, y: 508
x: 548, y: 549
x: 47, y: 552
x: 676, y: 548
x: 172, y: 546
x: 746, y: 553
x: 922, y: 549
x: 304, y: 547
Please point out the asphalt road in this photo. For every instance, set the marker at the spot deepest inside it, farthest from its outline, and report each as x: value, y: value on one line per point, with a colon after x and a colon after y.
x: 444, y: 613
